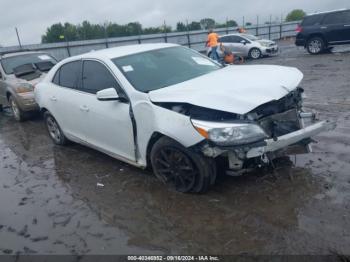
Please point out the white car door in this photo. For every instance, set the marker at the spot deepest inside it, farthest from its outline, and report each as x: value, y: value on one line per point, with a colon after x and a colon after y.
x: 108, y: 124
x: 237, y: 46
x: 63, y: 97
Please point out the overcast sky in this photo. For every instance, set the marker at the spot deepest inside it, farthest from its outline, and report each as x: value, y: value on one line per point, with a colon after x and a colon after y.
x: 33, y: 17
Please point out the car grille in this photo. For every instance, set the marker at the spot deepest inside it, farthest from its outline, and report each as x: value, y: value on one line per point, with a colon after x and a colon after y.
x: 281, y: 124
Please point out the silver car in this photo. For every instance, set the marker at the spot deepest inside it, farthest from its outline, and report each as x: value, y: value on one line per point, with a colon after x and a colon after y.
x: 19, y: 73
x: 247, y: 46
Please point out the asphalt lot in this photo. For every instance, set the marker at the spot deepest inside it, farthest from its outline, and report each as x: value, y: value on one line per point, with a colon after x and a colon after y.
x: 51, y: 204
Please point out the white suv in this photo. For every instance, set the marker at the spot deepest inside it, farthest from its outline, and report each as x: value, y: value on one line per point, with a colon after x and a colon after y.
x: 174, y: 109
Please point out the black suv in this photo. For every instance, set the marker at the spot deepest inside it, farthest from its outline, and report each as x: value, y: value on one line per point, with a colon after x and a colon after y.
x: 319, y: 32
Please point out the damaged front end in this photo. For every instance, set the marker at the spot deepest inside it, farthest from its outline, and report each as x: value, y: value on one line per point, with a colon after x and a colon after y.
x: 271, y: 130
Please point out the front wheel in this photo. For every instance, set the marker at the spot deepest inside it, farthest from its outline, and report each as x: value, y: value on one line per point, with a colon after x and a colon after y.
x: 54, y: 129
x: 315, y: 45
x: 18, y: 114
x: 255, y: 53
x: 181, y: 168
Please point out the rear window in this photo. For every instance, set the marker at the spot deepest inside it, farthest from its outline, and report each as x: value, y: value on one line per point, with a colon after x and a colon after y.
x: 9, y: 63
x: 312, y: 20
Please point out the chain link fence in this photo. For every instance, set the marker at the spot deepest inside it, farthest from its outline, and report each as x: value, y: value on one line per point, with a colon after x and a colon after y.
x: 192, y: 39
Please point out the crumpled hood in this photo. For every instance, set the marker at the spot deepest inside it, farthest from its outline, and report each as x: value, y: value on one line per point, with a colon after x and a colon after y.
x: 235, y: 89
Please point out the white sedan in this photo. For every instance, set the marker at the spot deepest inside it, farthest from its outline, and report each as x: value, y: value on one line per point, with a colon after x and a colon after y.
x: 171, y: 108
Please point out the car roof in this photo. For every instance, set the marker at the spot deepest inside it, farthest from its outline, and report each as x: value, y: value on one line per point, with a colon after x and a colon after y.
x: 244, y: 35
x: 120, y: 51
x: 11, y: 54
x: 237, y: 34
x: 327, y: 12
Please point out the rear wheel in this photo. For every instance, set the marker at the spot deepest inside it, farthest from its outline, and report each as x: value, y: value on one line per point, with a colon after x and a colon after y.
x: 254, y: 53
x: 18, y: 114
x: 181, y: 168
x: 54, y: 129
x: 315, y: 45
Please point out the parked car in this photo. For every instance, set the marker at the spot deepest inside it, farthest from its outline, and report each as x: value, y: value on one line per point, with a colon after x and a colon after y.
x: 320, y: 32
x: 19, y: 73
x: 247, y: 46
x: 171, y: 108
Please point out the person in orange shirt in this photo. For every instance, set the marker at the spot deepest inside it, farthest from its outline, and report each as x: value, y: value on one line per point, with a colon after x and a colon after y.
x: 241, y: 30
x: 212, y: 42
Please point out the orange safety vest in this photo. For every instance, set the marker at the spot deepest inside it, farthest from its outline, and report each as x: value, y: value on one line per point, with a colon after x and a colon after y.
x: 213, y: 39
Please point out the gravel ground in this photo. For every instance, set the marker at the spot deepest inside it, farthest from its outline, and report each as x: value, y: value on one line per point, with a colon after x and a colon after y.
x: 51, y: 204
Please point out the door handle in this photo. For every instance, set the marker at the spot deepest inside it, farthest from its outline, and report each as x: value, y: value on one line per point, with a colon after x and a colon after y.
x: 53, y: 98
x: 347, y: 25
x: 323, y: 27
x: 84, y: 108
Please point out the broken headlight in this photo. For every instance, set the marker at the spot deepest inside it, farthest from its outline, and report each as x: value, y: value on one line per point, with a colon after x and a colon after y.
x: 230, y: 134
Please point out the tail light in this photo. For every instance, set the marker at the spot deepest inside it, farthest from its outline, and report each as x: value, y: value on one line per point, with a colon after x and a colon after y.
x: 299, y: 29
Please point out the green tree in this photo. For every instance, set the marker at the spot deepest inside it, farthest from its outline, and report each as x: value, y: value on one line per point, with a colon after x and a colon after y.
x: 153, y: 30
x: 248, y: 24
x: 295, y: 15
x: 180, y: 27
x: 90, y: 31
x: 218, y: 25
x: 231, y: 23
x: 53, y: 34
x: 70, y: 32
x: 207, y: 23
x: 134, y: 28
x: 194, y: 26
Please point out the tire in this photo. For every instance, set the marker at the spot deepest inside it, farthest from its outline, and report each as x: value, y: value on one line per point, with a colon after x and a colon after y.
x: 181, y: 168
x: 18, y: 113
x: 254, y: 53
x: 1, y: 108
x: 54, y: 130
x: 315, y: 45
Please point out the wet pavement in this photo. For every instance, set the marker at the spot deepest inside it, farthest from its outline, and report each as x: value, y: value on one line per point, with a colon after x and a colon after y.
x: 51, y: 203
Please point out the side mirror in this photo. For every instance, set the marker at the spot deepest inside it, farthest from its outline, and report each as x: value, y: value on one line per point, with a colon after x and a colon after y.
x: 109, y: 94
x: 243, y: 42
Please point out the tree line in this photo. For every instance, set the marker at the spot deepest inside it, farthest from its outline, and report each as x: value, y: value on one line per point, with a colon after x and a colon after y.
x: 86, y: 31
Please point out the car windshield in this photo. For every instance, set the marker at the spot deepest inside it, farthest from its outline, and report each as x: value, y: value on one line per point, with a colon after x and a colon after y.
x: 159, y: 68
x: 252, y: 37
x: 12, y: 62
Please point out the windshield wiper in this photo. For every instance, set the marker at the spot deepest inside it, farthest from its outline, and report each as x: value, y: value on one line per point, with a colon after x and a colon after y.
x: 25, y: 69
x: 44, y: 66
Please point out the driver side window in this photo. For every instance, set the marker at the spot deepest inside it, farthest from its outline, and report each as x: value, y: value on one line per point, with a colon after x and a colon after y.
x: 236, y: 39
x: 97, y: 77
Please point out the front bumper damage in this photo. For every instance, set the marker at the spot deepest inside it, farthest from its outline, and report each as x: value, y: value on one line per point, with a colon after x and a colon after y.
x: 290, y: 139
x: 270, y: 50
x: 294, y: 142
